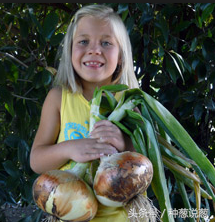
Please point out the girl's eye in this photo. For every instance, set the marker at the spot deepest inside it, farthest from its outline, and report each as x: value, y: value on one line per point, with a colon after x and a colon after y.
x: 105, y: 43
x: 84, y: 42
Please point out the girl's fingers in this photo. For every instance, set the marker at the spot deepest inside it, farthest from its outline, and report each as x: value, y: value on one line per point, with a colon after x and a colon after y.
x: 102, y: 123
x: 105, y: 149
x: 97, y: 153
x: 114, y: 141
x: 95, y: 147
x: 107, y: 131
x: 90, y: 149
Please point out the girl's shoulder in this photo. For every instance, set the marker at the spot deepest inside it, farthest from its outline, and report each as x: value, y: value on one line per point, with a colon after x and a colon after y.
x: 55, y: 92
x: 54, y: 96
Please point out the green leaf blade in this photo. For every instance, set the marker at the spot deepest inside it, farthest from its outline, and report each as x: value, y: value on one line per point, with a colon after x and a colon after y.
x: 179, y: 135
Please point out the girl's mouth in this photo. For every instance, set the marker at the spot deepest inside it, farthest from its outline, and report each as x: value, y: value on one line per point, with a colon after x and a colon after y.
x: 93, y: 64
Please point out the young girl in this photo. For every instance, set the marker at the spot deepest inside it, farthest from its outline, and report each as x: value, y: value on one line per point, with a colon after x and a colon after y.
x: 96, y: 52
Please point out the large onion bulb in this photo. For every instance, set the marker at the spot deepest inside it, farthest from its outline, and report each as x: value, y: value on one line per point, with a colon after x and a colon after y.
x: 64, y: 195
x: 121, y: 176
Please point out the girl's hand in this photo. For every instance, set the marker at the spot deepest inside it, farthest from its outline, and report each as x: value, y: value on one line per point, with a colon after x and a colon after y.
x: 106, y: 132
x: 88, y: 149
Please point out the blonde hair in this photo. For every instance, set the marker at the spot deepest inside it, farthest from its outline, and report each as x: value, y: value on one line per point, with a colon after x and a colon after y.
x: 124, y: 74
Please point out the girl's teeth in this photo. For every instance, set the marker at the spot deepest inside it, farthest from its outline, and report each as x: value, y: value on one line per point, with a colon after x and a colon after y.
x: 93, y: 63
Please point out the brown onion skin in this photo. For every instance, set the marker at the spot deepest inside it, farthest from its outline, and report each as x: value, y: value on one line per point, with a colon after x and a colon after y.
x: 121, y: 182
x: 65, y: 181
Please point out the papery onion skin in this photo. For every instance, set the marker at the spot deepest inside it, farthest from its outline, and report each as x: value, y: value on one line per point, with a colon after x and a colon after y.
x: 121, y: 176
x: 65, y: 196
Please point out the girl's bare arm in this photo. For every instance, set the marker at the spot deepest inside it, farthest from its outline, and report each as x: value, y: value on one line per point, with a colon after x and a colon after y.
x: 45, y: 154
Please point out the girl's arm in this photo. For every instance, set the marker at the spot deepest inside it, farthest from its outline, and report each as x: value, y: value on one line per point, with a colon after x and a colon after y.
x: 46, y: 154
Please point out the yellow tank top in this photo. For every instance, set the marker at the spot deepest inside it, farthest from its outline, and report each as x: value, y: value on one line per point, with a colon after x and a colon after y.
x: 75, y: 116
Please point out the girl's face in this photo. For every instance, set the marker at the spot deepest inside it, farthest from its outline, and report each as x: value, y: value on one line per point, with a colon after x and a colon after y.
x: 95, y: 51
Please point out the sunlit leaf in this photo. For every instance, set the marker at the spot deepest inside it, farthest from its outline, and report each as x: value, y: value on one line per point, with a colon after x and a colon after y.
x: 177, y: 66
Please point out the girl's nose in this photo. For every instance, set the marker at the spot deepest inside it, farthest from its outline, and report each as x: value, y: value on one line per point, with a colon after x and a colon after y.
x: 94, y: 49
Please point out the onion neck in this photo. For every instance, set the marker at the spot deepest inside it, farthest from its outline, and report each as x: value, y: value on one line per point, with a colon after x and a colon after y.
x: 80, y: 169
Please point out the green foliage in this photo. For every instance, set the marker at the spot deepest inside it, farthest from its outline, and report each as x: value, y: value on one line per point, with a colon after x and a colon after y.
x: 173, y: 51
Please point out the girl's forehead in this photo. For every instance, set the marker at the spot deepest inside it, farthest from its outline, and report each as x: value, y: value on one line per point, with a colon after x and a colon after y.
x: 92, y: 21
x: 93, y: 25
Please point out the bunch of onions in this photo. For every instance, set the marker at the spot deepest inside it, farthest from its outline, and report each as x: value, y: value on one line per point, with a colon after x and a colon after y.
x: 120, y: 180
x: 65, y: 196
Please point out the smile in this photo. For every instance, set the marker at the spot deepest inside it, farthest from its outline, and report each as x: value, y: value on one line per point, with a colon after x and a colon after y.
x: 93, y: 64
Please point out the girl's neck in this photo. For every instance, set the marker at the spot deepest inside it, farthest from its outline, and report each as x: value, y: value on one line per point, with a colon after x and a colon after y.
x: 88, y: 90
x: 88, y: 95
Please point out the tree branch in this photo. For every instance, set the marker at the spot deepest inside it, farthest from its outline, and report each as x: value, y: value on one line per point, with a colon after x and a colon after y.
x: 14, y: 58
x: 22, y: 97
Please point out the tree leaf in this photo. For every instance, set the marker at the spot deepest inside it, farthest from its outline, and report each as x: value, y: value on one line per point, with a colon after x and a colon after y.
x: 147, y: 13
x: 207, y: 11
x: 49, y: 25
x: 198, y: 110
x: 161, y: 23
x: 193, y: 45
x: 23, y: 154
x: 129, y: 24
x: 56, y: 39
x: 11, y: 169
x: 35, y: 21
x: 177, y: 66
x: 23, y: 28
x: 12, y: 141
x: 171, y: 69
x: 201, y: 71
x: 46, y: 77
x: 208, y: 49
x: 182, y: 25
x: 9, y: 107
x: 122, y: 7
x: 3, y: 74
x: 210, y: 104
